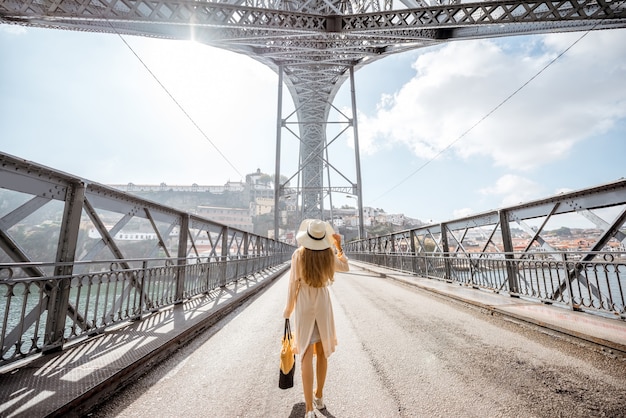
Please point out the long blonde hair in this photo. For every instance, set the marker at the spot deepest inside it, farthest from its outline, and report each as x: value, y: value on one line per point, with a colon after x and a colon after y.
x: 316, y: 267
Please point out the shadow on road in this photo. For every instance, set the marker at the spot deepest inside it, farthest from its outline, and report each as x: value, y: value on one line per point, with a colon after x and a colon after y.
x: 325, y: 412
x: 299, y: 409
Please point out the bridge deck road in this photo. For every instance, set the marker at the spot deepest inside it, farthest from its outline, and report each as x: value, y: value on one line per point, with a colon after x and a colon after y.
x: 403, y: 352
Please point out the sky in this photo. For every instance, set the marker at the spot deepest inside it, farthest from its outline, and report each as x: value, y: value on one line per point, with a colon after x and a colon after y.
x: 444, y: 132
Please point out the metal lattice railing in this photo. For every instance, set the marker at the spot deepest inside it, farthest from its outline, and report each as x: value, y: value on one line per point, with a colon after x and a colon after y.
x: 77, y: 257
x: 598, y: 286
x: 105, y: 294
x: 526, y: 250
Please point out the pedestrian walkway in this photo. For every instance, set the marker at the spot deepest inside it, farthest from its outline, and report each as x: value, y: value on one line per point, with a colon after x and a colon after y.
x: 608, y: 333
x: 70, y: 382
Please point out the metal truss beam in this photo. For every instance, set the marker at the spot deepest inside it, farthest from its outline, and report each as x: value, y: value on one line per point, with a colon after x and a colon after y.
x: 121, y: 15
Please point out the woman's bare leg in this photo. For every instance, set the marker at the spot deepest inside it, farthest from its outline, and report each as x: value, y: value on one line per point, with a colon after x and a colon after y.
x: 321, y: 369
x: 307, y: 377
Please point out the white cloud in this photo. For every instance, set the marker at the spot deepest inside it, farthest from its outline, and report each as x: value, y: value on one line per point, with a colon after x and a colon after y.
x: 462, y: 212
x: 13, y: 29
x: 235, y: 110
x: 456, y: 86
x: 513, y: 189
x: 104, y: 98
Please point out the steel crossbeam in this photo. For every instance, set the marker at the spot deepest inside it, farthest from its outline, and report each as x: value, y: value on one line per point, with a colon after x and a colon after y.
x: 317, y: 44
x: 223, y: 15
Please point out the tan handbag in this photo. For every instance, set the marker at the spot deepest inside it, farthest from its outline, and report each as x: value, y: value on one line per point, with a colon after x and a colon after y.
x: 287, y: 359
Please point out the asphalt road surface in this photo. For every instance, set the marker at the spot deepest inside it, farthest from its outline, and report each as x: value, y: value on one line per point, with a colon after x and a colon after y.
x: 402, y: 352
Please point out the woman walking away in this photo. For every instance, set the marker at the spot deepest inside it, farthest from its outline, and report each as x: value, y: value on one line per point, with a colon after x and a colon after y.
x: 313, y: 267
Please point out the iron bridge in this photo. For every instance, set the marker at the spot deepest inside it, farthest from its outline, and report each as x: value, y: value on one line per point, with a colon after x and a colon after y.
x: 314, y: 46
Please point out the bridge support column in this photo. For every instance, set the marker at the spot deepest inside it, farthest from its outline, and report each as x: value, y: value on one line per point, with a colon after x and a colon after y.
x: 183, y: 237
x: 314, y: 191
x: 445, y: 248
x: 59, y: 292
x: 507, y: 242
x: 357, y: 155
x: 279, y: 128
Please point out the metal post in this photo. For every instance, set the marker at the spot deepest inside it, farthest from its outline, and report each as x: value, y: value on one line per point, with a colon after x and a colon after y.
x: 279, y: 127
x: 357, y: 154
x: 58, y: 302
x: 224, y: 258
x: 244, y: 256
x: 181, y: 262
x: 330, y: 194
x: 225, y: 246
x: 507, y: 242
x: 413, y: 237
x: 570, y: 294
x: 445, y: 248
x: 142, y: 288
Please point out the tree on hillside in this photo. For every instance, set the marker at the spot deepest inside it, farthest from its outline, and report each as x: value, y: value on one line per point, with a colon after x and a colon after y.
x: 563, y: 232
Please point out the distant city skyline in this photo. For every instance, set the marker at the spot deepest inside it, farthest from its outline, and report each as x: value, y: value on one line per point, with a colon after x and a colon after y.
x: 571, y: 221
x: 445, y: 131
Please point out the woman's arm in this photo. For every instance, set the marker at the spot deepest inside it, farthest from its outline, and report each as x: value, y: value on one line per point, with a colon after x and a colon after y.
x: 293, y: 287
x: 341, y: 261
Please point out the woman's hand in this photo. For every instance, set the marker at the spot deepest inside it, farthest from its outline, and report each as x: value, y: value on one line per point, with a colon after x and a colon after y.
x: 337, y: 240
x: 337, y: 243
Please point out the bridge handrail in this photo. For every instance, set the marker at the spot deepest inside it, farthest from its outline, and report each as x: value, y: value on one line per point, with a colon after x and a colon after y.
x: 595, y: 286
x: 55, y: 231
x: 103, y: 294
x: 512, y: 250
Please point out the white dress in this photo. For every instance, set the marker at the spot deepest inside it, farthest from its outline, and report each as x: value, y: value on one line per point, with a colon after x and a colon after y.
x: 312, y: 305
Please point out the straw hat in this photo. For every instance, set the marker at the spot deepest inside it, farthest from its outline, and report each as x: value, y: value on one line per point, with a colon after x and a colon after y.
x: 315, y: 234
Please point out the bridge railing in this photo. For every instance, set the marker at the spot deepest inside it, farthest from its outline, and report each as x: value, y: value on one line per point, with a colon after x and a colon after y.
x: 567, y: 249
x: 103, y: 294
x: 599, y: 285
x: 77, y: 257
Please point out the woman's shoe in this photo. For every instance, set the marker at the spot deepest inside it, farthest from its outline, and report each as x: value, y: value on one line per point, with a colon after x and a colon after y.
x: 310, y: 414
x: 318, y: 403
